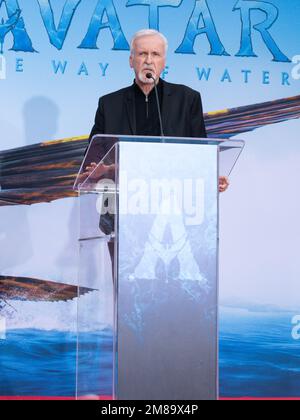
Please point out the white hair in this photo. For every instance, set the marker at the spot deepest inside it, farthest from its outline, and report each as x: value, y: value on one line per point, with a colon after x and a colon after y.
x: 148, y: 32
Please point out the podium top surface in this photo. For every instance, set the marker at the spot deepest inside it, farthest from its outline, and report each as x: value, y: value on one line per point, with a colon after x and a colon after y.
x: 102, y: 148
x: 113, y: 138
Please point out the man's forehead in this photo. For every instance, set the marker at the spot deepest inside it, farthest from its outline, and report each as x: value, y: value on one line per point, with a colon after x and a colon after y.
x: 149, y: 41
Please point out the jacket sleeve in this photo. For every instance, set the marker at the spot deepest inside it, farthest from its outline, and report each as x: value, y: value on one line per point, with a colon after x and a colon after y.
x: 99, y: 125
x: 197, y: 119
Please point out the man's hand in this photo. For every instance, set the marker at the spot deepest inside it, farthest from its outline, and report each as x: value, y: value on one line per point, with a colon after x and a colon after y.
x: 95, y: 171
x: 223, y: 183
x: 90, y: 168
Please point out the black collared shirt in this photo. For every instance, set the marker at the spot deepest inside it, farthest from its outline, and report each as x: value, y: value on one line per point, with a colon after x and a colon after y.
x: 146, y: 112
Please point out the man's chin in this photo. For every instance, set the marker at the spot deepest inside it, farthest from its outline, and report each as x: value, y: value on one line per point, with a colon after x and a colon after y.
x: 143, y: 79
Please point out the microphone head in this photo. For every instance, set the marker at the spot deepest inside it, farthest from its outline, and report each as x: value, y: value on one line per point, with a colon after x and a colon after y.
x: 149, y: 76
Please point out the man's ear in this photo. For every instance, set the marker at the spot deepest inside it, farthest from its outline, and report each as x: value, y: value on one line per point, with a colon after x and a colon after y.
x: 131, y: 61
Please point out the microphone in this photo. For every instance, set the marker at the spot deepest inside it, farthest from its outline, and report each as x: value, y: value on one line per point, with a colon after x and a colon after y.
x: 150, y: 76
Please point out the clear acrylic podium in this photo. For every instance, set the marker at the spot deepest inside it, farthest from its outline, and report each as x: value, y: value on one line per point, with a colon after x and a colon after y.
x: 148, y: 328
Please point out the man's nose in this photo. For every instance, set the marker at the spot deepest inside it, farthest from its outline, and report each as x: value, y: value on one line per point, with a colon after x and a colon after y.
x: 149, y: 58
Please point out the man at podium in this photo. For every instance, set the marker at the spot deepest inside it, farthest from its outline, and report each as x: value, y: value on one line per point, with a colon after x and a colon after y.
x: 151, y: 106
x: 162, y: 236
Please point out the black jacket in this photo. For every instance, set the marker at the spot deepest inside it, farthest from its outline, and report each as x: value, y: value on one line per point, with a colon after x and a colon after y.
x: 182, y: 114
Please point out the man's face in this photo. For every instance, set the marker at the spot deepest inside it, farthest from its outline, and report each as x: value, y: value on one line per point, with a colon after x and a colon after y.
x: 148, y: 56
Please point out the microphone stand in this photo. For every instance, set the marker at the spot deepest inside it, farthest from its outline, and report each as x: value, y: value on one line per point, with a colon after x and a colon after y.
x: 149, y: 76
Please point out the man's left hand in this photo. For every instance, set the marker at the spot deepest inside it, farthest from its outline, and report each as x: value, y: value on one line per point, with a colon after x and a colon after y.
x: 223, y: 183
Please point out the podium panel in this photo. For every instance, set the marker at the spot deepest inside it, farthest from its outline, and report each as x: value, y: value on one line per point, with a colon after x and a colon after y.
x: 167, y: 272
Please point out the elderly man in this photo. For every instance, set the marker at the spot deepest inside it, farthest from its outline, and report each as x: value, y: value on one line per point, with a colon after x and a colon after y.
x: 134, y: 111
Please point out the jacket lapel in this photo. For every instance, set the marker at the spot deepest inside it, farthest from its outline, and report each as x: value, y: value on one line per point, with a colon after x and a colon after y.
x: 130, y: 109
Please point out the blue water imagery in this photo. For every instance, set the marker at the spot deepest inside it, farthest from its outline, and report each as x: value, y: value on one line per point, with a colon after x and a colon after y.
x: 258, y: 358
x: 40, y: 363
x: 258, y: 355
x: 95, y: 364
x: 37, y: 363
